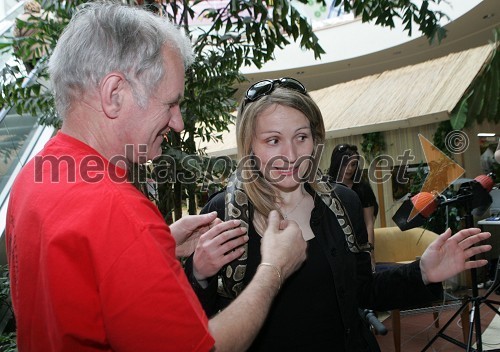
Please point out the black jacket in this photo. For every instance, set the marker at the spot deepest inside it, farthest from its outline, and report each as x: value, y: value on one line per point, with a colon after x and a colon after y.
x: 353, y: 282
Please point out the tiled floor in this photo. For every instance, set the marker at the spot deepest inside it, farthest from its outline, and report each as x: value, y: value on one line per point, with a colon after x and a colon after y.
x: 418, y: 329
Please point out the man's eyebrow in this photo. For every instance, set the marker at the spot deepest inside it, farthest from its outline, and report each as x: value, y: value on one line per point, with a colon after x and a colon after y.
x: 177, y: 100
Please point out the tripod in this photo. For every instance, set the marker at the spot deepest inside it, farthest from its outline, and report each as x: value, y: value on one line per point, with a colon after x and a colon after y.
x: 476, y: 301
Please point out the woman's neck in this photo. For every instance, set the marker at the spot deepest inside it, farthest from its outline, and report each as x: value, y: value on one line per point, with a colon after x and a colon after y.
x: 290, y: 198
x: 290, y: 201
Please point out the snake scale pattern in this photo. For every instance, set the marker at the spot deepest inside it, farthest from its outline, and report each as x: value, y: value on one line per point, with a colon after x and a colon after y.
x: 230, y: 277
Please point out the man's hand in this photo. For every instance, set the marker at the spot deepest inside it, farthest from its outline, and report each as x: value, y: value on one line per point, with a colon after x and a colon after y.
x: 283, y: 245
x: 188, y: 229
x: 449, y: 255
x: 283, y: 249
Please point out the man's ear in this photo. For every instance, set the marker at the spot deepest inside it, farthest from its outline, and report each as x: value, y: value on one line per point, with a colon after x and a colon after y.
x: 114, y: 87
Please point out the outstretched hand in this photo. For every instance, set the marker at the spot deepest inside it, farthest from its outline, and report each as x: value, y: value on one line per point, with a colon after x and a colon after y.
x: 449, y: 255
x: 188, y: 229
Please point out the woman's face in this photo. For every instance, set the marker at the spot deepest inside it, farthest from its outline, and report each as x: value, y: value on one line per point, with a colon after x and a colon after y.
x: 348, y: 168
x: 282, y: 146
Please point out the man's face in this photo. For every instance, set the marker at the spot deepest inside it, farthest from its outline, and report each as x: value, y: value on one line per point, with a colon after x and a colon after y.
x: 147, y: 126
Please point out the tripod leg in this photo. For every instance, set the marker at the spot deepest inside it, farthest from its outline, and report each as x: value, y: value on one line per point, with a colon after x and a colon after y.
x: 489, y: 304
x: 471, y: 328
x: 440, y: 333
x: 477, y: 323
x: 464, y: 316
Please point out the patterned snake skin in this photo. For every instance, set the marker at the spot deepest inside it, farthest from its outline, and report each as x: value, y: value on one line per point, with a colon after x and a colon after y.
x: 332, y: 201
x: 230, y: 277
x: 236, y: 202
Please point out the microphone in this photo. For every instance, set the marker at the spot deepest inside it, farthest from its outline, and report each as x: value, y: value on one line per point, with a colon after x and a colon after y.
x: 369, y: 316
x: 479, y: 190
x: 486, y: 181
x: 424, y: 203
x: 414, y: 212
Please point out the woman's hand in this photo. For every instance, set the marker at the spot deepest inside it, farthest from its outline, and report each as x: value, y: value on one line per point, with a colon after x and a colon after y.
x: 217, y: 247
x: 449, y: 255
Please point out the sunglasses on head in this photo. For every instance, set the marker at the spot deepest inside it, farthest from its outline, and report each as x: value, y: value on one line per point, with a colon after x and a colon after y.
x: 343, y: 147
x: 265, y: 87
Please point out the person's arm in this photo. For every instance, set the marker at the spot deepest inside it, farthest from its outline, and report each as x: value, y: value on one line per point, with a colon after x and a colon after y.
x: 420, y: 281
x: 206, y: 289
x: 449, y: 255
x: 394, y: 288
x: 283, y: 251
x: 369, y: 216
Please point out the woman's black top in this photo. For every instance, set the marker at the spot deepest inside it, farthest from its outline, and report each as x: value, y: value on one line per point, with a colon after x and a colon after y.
x: 317, y: 307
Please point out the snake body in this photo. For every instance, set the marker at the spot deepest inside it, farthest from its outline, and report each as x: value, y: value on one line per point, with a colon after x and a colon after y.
x: 230, y: 277
x: 236, y: 207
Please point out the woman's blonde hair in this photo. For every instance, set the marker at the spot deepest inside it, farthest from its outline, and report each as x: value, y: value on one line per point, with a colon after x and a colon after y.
x: 261, y: 193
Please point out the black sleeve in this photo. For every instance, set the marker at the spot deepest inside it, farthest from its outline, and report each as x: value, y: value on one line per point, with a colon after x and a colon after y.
x: 399, y: 287
x: 207, y: 296
x: 216, y: 203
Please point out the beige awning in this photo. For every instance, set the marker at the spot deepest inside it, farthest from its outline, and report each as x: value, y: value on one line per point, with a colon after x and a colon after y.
x: 406, y: 97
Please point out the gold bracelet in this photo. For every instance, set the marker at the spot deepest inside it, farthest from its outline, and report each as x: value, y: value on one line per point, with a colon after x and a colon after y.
x: 277, y: 272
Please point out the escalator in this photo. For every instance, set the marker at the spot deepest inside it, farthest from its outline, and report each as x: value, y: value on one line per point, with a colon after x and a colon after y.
x: 21, y: 137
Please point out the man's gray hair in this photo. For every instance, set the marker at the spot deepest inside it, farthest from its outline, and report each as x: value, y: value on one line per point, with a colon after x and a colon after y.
x: 105, y: 36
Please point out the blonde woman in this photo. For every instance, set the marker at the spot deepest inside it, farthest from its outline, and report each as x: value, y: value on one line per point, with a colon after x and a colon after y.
x: 279, y: 128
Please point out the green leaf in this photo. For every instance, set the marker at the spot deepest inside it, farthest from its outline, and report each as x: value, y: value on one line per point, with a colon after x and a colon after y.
x: 460, y: 117
x: 242, y: 33
x: 477, y: 99
x: 494, y: 92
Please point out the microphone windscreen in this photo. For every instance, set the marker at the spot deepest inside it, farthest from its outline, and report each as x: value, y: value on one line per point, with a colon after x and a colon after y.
x: 424, y: 203
x: 486, y: 182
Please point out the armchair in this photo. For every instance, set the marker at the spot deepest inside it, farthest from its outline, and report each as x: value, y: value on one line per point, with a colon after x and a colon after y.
x: 393, y: 246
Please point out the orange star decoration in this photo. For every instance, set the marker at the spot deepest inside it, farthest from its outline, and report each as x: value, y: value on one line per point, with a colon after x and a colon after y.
x: 443, y: 171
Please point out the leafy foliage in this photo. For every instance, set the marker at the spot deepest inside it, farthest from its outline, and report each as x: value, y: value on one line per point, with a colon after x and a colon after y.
x: 4, y: 287
x: 7, y: 337
x: 373, y: 145
x: 241, y: 33
x: 482, y: 101
x: 439, y: 138
x: 33, y: 96
x: 383, y: 12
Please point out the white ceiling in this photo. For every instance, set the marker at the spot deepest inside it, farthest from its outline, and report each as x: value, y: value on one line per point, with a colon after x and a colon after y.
x: 474, y: 28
